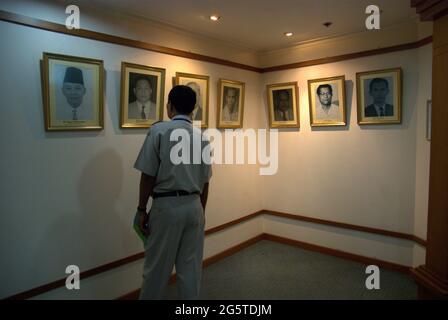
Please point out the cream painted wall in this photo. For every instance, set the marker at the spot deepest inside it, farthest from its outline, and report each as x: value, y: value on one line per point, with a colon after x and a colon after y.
x: 362, y: 175
x: 422, y: 152
x: 423, y: 145
x: 72, y: 196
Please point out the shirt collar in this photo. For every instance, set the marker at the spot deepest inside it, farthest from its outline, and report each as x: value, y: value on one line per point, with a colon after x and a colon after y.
x: 181, y: 116
x: 140, y: 105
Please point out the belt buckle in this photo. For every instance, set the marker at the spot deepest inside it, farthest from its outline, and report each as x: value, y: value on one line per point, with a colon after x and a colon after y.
x: 177, y: 193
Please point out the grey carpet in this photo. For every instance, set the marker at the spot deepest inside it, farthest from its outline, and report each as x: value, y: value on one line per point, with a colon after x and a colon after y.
x: 270, y: 270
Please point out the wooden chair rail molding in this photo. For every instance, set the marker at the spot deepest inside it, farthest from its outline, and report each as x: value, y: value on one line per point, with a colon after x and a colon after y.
x: 115, y: 264
x: 103, y: 37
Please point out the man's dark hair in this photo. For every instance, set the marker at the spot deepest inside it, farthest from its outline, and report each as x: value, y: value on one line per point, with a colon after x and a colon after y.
x: 378, y: 80
x: 324, y: 86
x: 183, y: 99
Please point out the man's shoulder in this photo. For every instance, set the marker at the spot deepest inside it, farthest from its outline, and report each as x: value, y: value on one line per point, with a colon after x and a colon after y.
x: 157, y: 126
x: 164, y: 126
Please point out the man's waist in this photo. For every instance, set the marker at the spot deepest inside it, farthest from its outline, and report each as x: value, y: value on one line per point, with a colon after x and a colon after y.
x: 176, y: 193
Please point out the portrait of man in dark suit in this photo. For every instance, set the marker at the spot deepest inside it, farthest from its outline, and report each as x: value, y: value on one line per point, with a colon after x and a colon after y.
x: 283, y: 109
x: 141, y: 93
x: 379, y: 91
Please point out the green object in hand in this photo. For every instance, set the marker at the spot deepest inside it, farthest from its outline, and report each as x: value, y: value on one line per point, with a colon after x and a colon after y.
x: 137, y: 229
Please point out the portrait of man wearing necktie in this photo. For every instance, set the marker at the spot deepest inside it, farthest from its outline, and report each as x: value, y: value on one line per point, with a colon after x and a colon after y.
x: 379, y: 91
x: 142, y: 108
x: 283, y: 109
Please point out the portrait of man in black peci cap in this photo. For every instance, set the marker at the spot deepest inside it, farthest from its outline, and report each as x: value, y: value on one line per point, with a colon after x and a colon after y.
x: 73, y: 93
x: 74, y: 90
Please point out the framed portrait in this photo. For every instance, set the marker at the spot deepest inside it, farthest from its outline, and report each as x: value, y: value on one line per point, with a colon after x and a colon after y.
x: 283, y: 105
x: 379, y: 96
x: 327, y: 102
x: 142, y: 94
x: 72, y: 92
x: 200, y: 85
x: 230, y: 104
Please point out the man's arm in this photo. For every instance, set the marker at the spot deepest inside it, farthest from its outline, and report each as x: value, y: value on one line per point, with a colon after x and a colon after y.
x: 146, y: 188
x: 204, y: 196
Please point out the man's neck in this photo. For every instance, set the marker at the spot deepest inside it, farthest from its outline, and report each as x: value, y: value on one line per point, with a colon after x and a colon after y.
x: 142, y: 103
x: 179, y: 115
x: 229, y: 107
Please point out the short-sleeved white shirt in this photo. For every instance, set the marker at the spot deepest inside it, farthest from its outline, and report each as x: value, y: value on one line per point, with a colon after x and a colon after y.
x: 154, y: 157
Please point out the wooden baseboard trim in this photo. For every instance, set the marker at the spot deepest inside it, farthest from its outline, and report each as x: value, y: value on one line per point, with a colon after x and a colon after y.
x: 435, y: 286
x: 89, y: 273
x: 83, y: 275
x: 298, y: 244
x: 338, y: 253
x: 387, y: 233
x: 232, y: 223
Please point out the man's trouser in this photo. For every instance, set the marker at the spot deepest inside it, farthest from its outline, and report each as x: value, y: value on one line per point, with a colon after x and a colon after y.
x: 176, y: 226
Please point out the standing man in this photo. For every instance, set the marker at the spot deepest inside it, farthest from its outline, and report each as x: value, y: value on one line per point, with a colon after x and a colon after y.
x: 175, y: 224
x: 379, y: 90
x: 327, y: 110
x: 142, y: 108
x: 230, y: 108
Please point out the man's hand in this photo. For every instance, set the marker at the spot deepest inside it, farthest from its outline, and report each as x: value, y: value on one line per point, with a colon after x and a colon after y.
x: 143, y: 221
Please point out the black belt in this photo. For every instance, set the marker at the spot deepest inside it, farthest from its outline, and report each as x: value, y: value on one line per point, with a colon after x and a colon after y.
x: 177, y: 193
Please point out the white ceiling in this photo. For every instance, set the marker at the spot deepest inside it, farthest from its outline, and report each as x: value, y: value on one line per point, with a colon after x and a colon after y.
x: 260, y: 24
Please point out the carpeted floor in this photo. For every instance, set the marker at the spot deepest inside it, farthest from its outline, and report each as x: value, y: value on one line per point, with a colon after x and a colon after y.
x: 270, y: 270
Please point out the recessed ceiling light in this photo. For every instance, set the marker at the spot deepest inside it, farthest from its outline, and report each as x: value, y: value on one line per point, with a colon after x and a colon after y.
x: 288, y: 34
x: 214, y: 17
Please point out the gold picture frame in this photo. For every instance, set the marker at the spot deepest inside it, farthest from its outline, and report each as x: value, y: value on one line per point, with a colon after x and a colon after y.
x: 72, y: 92
x: 230, y: 111
x: 379, y: 96
x: 283, y: 105
x: 327, y: 102
x: 200, y: 84
x: 142, y: 95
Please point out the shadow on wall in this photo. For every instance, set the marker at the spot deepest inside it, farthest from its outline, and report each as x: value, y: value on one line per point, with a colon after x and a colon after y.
x: 92, y: 234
